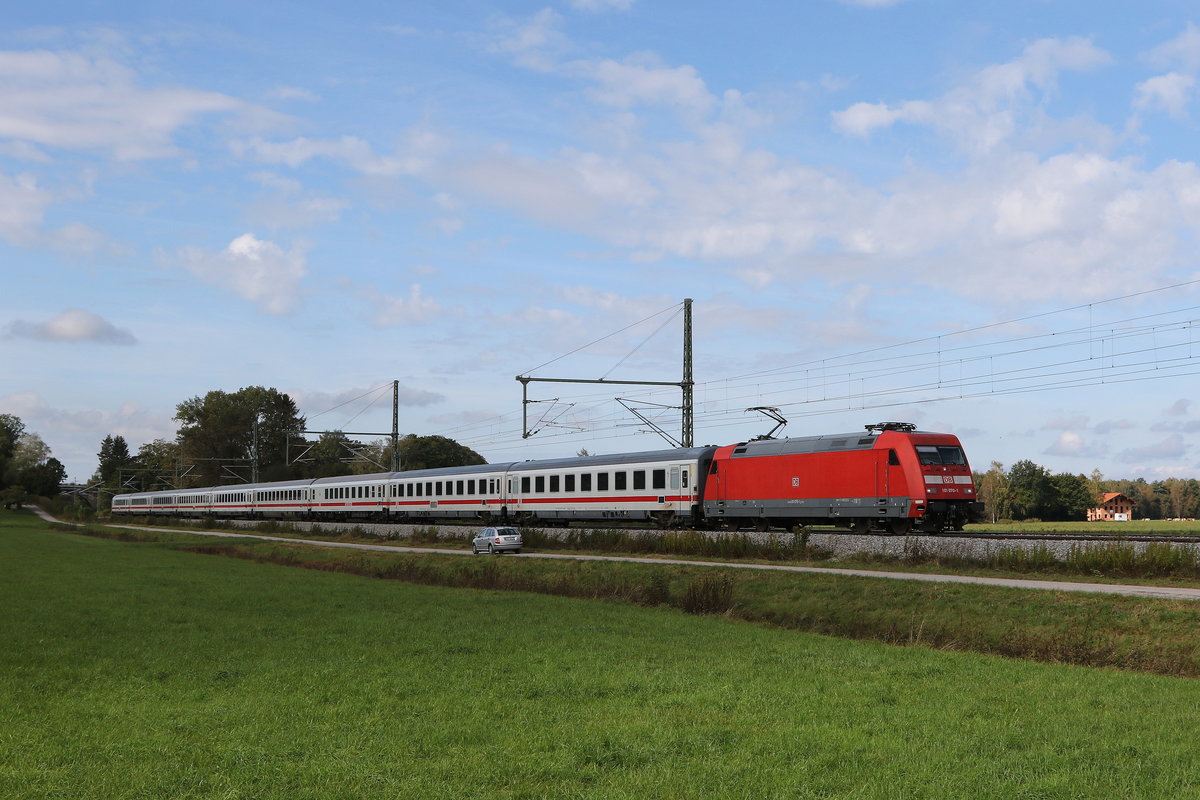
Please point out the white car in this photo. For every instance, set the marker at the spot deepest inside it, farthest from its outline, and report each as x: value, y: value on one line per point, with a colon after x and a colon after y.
x: 497, y: 540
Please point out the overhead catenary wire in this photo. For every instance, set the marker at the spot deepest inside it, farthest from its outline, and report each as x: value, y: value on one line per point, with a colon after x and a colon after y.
x: 875, y: 378
x: 601, y: 339
x: 976, y: 368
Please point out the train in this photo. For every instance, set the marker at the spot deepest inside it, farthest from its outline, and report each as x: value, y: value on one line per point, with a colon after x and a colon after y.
x: 892, y: 477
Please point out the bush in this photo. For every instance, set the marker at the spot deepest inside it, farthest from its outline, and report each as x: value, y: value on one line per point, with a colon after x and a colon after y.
x: 708, y: 594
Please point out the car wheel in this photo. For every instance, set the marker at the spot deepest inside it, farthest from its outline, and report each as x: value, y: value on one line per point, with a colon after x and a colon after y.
x: 474, y: 549
x: 491, y: 550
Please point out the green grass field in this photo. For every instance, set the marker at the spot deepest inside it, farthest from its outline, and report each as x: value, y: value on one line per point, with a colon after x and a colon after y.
x: 1136, y: 527
x: 137, y: 670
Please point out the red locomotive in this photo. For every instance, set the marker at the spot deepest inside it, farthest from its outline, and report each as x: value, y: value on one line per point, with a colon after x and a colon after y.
x: 893, y: 475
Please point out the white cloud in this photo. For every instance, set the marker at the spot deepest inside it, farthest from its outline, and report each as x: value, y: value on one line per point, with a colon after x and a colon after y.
x: 256, y: 270
x: 601, y: 5
x: 1111, y: 425
x: 1099, y: 221
x: 79, y: 239
x: 295, y: 93
x: 1172, y: 447
x: 1177, y: 426
x: 413, y: 309
x: 1070, y: 444
x: 1180, y: 408
x: 416, y: 151
x: 862, y: 119
x: 77, y: 101
x: 1170, y: 93
x: 23, y: 151
x: 536, y: 43
x: 1078, y: 422
x: 1183, y: 51
x: 72, y: 325
x: 638, y: 80
x: 642, y: 81
x: 287, y: 205
x: 22, y: 207
x: 983, y: 112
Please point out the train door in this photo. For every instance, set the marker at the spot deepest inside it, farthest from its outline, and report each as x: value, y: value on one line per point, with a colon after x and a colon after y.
x: 714, y: 490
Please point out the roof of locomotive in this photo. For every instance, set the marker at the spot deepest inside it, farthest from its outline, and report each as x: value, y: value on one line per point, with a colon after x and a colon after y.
x: 824, y: 443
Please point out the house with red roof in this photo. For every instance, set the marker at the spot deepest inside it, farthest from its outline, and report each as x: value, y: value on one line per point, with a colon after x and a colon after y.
x: 1114, y: 506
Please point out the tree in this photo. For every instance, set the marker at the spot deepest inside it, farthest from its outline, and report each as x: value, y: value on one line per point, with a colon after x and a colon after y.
x: 11, y: 430
x: 1183, y: 497
x: 1071, y: 497
x: 218, y: 430
x: 13, y: 497
x: 1031, y: 489
x: 43, y: 479
x: 29, y: 451
x: 113, y: 455
x: 327, y: 457
x: 427, y: 452
x: 995, y: 492
x: 1144, y: 497
x: 1096, y: 486
x: 155, y: 466
x: 31, y: 467
x: 371, y: 457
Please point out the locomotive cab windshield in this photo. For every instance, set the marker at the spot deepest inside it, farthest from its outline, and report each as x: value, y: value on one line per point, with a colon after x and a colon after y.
x: 941, y: 454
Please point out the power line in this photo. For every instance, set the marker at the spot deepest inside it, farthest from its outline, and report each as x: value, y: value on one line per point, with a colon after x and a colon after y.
x: 975, y: 364
x: 603, y: 338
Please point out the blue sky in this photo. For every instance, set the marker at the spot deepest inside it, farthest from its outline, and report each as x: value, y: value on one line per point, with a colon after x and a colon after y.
x: 979, y: 217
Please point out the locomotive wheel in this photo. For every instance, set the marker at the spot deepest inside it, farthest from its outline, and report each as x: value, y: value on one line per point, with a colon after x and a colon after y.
x: 762, y: 524
x: 861, y: 526
x: 900, y: 526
